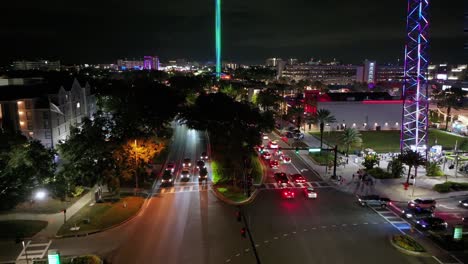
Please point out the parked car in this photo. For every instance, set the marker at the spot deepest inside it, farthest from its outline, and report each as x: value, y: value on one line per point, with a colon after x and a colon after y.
x: 423, y: 203
x: 373, y: 200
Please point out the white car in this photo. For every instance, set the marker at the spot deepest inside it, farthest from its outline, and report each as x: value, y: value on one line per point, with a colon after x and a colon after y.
x: 310, y: 193
x: 265, y: 136
x: 285, y: 159
x: 273, y: 144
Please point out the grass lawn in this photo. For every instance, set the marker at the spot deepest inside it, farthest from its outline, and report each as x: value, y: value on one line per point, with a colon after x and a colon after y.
x: 232, y: 193
x: 389, y: 141
x: 102, y: 215
x: 46, y: 206
x: 12, y: 229
x: 323, y: 158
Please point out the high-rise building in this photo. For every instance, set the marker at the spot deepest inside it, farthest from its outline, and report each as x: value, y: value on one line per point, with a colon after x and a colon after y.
x: 366, y: 73
x: 292, y: 61
x: 44, y: 65
x: 151, y: 63
x: 130, y: 64
x: 328, y: 74
x: 272, y: 62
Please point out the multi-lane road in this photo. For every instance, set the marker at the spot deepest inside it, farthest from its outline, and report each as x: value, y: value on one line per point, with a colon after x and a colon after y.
x: 186, y: 223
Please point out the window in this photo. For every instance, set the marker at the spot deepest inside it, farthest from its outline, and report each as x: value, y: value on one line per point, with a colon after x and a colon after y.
x: 47, y: 135
x: 59, y: 131
x: 30, y: 125
x: 28, y: 115
x: 46, y: 124
x: 27, y: 104
x: 45, y: 115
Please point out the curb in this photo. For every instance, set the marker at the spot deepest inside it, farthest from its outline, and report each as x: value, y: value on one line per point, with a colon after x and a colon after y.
x: 406, y: 251
x: 107, y: 228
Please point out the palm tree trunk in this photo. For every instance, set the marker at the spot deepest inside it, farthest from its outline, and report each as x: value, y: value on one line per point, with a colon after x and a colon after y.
x: 321, y: 133
x: 447, y: 117
x: 409, y: 172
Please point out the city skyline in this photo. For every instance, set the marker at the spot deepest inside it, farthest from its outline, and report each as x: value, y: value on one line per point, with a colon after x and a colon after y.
x: 251, y: 33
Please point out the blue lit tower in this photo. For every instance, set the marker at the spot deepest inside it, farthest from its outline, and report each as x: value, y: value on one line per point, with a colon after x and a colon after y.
x: 414, y: 125
x: 218, y: 37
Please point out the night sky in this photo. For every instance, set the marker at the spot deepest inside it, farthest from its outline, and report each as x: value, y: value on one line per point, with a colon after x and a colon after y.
x: 101, y: 31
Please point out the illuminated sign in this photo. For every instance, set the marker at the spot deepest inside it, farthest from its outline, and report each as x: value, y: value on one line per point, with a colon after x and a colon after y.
x: 53, y: 257
x: 458, y: 232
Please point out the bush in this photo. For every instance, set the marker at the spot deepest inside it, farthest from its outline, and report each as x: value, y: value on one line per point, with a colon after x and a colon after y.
x: 433, y: 169
x: 450, y: 186
x: 379, y: 173
x: 78, y: 191
x: 408, y: 243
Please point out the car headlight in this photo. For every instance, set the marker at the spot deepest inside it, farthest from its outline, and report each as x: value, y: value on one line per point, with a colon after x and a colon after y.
x: 465, y: 204
x: 445, y: 224
x: 170, y: 179
x: 424, y: 226
x: 417, y: 222
x: 409, y: 215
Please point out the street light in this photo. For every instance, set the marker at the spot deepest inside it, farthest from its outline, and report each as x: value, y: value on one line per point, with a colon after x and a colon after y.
x: 40, y: 195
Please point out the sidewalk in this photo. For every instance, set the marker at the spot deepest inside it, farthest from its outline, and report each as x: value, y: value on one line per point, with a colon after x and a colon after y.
x: 55, y: 221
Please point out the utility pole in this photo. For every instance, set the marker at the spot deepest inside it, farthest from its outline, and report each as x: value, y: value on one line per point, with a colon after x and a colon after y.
x: 246, y: 226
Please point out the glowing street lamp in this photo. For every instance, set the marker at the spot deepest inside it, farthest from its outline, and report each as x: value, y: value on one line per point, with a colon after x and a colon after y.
x: 40, y: 195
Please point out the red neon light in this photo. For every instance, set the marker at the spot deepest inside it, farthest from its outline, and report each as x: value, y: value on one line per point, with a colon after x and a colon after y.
x: 382, y: 101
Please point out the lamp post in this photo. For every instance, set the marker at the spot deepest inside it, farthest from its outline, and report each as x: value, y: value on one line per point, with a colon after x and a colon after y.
x: 25, y: 252
x: 136, y: 166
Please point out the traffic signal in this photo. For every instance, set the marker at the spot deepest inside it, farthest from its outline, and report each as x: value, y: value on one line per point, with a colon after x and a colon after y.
x: 279, y: 151
x: 243, y: 234
x: 297, y: 150
x: 261, y: 150
x: 238, y: 216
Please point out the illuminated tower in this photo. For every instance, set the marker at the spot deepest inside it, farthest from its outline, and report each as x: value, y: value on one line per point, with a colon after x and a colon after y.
x: 414, y: 125
x: 218, y: 37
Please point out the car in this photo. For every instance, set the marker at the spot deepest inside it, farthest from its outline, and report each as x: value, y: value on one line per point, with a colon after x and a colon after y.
x: 285, y: 159
x: 187, y: 163
x: 203, y: 174
x: 423, y: 203
x: 167, y: 178
x: 416, y: 213
x: 204, y: 156
x: 281, y: 178
x: 266, y: 155
x: 170, y: 167
x: 299, y: 135
x: 273, y: 144
x: 297, y: 178
x: 185, y: 174
x: 274, y: 164
x: 200, y: 164
x: 288, y: 193
x: 366, y: 200
x: 432, y: 223
x: 310, y: 193
x: 463, y: 203
x: 265, y: 136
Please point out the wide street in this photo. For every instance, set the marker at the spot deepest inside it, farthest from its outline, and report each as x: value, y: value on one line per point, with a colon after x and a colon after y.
x: 188, y: 224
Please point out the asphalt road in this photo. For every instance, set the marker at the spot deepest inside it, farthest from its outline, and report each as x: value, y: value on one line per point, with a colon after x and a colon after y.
x: 187, y: 224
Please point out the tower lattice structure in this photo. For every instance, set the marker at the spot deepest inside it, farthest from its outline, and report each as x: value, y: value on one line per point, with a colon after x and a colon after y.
x: 414, y: 125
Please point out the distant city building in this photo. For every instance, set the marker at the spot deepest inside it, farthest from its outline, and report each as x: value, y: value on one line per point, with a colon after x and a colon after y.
x: 272, y: 62
x: 292, y: 61
x: 230, y: 65
x: 43, y: 65
x: 328, y: 74
x: 151, y: 63
x: 130, y: 64
x: 366, y: 73
x: 389, y: 74
x: 44, y: 112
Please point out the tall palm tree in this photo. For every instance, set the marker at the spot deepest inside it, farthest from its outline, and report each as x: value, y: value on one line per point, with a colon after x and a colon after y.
x: 450, y: 98
x: 350, y: 136
x: 412, y: 159
x: 321, y: 117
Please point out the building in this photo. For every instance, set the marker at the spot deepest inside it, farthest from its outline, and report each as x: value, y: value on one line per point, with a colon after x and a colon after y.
x: 130, y: 64
x: 43, y: 65
x: 389, y: 74
x: 44, y: 112
x: 272, y: 62
x: 366, y: 73
x: 230, y: 65
x: 360, y: 110
x: 151, y: 63
x: 328, y: 74
x: 292, y: 61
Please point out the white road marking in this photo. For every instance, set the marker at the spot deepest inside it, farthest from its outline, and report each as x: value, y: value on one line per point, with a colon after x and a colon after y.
x: 294, y: 232
x: 445, y: 206
x: 324, y: 226
x: 285, y: 234
x: 247, y: 250
x: 275, y: 238
x: 266, y: 241
x: 344, y: 224
x: 228, y: 260
x: 238, y: 254
x: 305, y: 230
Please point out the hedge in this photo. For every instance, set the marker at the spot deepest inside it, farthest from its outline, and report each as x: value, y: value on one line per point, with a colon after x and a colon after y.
x: 408, y: 243
x: 451, y: 187
x: 379, y: 173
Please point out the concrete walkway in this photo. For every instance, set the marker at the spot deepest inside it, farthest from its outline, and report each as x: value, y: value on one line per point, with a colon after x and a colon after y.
x: 55, y: 221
